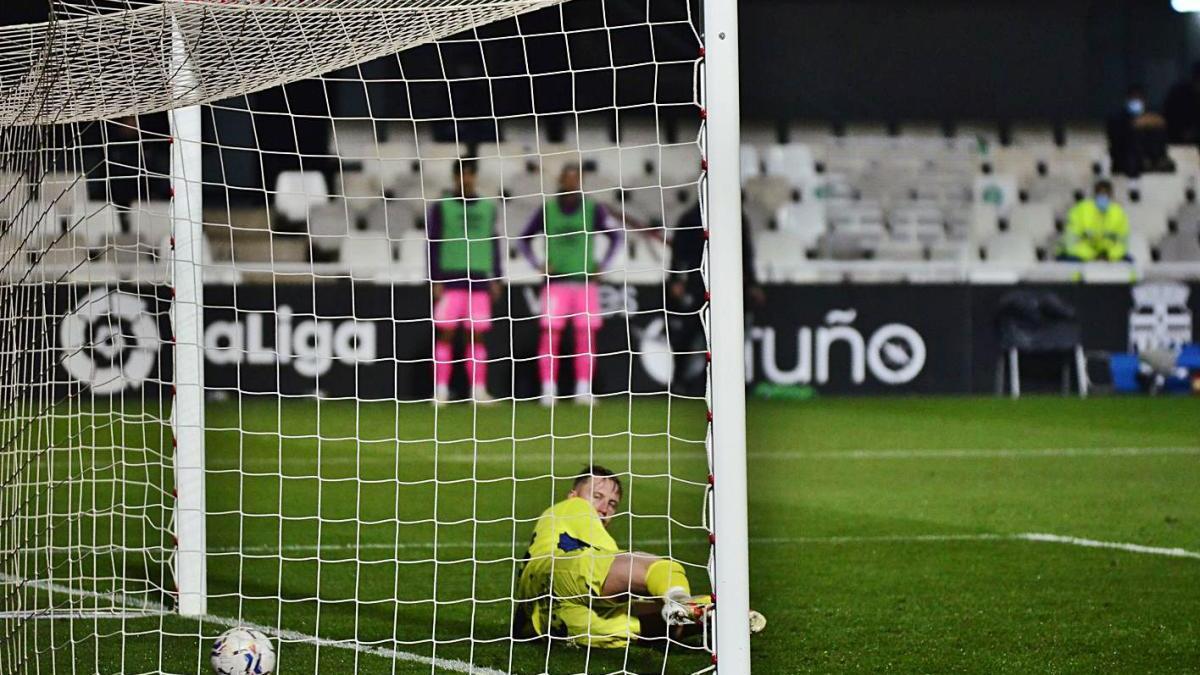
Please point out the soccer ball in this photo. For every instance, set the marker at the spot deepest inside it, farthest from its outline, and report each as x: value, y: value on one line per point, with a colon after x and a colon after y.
x: 243, y: 651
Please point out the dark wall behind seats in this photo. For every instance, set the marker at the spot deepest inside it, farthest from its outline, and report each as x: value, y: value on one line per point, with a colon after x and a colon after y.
x: 955, y: 59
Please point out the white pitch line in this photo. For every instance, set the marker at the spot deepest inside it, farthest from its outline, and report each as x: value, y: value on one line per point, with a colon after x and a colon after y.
x: 149, y: 608
x: 981, y: 453
x: 1035, y: 537
x: 1116, y: 545
x: 452, y: 665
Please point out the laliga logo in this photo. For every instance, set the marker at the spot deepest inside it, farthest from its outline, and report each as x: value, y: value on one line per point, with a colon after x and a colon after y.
x: 895, y: 353
x: 108, y: 341
x: 309, y: 345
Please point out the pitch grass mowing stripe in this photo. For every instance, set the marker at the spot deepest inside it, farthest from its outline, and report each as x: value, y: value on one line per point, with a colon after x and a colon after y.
x: 1036, y: 537
x: 140, y: 608
x: 373, y: 456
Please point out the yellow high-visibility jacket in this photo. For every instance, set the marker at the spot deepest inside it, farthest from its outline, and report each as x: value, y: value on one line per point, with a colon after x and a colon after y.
x: 1092, y: 234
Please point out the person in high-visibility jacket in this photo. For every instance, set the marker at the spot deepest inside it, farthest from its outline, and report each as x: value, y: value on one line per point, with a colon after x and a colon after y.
x: 1097, y: 229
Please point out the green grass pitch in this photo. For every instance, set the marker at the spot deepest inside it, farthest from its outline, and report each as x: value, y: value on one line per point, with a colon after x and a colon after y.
x: 886, y: 534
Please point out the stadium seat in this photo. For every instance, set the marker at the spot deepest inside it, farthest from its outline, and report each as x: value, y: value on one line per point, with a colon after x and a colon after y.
x: 778, y: 246
x: 1139, y: 249
x: 679, y: 164
x: 1085, y: 133
x: 298, y: 191
x: 519, y: 270
x: 395, y: 217
x: 638, y: 167
x: 759, y: 134
x: 353, y: 140
x: 63, y: 196
x: 150, y: 221
x: 943, y: 190
x: 1164, y: 190
x: 634, y: 130
x: 974, y: 131
x: 411, y: 255
x: 1032, y: 133
x: 793, y: 161
x: 1059, y: 191
x: 13, y: 194
x: 1180, y: 247
x: 587, y: 136
x: 1149, y: 220
x: 1108, y: 273
x: 366, y: 257
x: 814, y: 133
x: 750, y: 162
x: 361, y: 191
x: 951, y: 251
x: 328, y: 224
x: 763, y: 196
x: 646, y: 258
x: 1032, y: 219
x: 1016, y: 161
x: 806, y: 220
x: 677, y: 202
x: 923, y: 224
x: 999, y: 190
x: 99, y: 225
x: 517, y: 211
x: 1186, y: 158
x: 900, y: 250
x: 436, y: 175
x: 1188, y: 216
x: 1014, y: 249
x: 974, y: 222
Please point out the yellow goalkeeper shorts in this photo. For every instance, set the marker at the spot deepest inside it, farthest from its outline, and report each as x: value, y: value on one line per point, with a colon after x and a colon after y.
x: 562, y: 599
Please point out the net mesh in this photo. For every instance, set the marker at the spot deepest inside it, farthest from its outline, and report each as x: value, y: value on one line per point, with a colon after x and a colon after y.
x: 352, y: 514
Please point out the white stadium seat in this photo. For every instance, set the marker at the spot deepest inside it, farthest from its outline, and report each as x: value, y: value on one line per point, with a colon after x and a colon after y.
x: 328, y: 224
x: 14, y: 193
x: 1165, y: 190
x: 1148, y: 220
x: 803, y: 219
x: 298, y: 191
x: 367, y: 257
x: 1032, y: 219
x: 1011, y: 249
x: 99, y: 224
x: 151, y: 221
x: 793, y: 161
x: 1000, y: 190
x: 750, y: 161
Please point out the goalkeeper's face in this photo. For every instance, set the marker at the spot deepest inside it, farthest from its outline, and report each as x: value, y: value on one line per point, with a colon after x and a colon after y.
x: 603, y: 494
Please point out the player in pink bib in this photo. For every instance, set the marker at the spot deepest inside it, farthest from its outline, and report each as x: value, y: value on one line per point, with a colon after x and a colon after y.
x: 464, y: 263
x: 570, y: 223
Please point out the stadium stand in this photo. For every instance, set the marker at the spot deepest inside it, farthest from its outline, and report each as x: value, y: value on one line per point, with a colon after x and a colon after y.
x: 922, y: 202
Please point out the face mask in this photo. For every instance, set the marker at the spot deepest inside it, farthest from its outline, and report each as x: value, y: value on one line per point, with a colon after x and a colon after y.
x: 1136, y: 107
x: 1103, y: 201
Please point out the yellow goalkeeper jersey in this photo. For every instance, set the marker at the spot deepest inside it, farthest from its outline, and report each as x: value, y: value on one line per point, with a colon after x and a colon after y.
x: 569, y: 526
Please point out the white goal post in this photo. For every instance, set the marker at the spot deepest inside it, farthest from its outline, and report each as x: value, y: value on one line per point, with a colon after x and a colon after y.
x: 248, y: 380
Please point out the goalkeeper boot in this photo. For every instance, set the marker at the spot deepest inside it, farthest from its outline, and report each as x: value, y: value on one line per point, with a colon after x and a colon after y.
x: 441, y: 395
x: 680, y: 609
x: 549, y: 391
x: 481, y: 395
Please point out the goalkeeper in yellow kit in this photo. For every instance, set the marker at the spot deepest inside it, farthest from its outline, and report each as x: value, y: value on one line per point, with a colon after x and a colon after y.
x: 576, y: 583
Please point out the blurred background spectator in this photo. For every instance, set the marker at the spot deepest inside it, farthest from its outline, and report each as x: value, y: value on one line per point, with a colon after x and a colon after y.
x: 1137, y: 137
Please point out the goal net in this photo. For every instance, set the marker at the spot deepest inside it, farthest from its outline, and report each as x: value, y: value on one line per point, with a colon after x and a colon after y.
x: 309, y: 309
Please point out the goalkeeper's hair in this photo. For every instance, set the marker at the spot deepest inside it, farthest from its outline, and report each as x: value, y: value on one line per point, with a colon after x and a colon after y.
x: 597, y: 471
